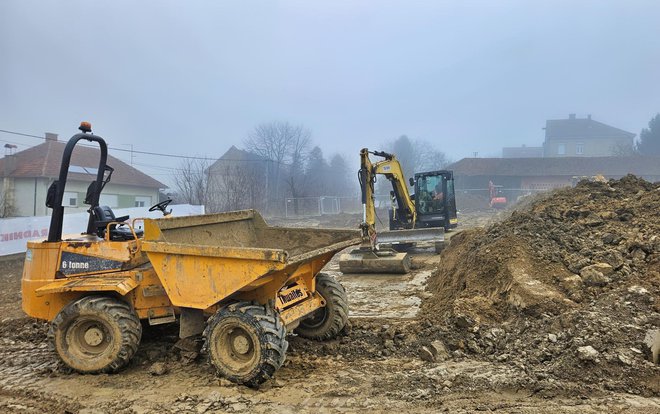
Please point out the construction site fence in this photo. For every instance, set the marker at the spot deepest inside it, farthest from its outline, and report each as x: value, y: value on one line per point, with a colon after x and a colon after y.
x: 327, y: 205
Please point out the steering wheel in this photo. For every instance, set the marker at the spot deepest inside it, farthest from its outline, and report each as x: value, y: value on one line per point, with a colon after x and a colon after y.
x: 161, y: 206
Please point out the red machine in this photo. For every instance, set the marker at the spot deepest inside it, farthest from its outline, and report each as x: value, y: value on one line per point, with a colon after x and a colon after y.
x: 497, y: 200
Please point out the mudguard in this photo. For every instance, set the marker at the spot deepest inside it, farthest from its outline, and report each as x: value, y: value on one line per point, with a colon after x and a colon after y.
x: 119, y: 284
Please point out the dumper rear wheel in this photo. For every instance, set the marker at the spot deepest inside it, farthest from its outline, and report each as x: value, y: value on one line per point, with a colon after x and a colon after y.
x: 96, y: 334
x: 327, y: 322
x: 246, y: 343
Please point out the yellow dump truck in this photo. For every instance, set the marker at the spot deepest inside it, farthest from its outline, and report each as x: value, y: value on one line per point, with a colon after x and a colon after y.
x: 228, y: 277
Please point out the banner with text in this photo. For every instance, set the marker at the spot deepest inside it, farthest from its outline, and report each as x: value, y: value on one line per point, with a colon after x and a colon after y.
x: 16, y: 231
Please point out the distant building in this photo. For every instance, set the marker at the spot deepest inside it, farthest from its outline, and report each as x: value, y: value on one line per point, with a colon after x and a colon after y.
x: 522, y: 152
x: 547, y: 173
x: 242, y: 179
x: 235, y: 157
x: 26, y: 176
x: 584, y: 137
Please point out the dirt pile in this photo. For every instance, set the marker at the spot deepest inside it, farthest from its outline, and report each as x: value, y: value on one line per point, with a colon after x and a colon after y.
x: 568, y: 286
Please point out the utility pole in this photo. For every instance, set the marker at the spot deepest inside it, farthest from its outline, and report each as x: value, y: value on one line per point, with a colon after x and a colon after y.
x: 130, y: 145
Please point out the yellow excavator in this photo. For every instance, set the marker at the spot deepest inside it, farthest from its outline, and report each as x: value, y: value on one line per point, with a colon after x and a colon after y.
x: 421, y: 217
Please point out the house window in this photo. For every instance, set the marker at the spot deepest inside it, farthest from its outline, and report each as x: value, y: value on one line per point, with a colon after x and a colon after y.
x: 561, y: 149
x: 110, y: 200
x: 70, y: 199
x: 579, y: 148
x: 141, y: 201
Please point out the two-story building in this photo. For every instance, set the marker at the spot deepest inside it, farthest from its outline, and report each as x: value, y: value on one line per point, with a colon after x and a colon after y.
x: 26, y: 176
x: 242, y: 179
x: 584, y: 137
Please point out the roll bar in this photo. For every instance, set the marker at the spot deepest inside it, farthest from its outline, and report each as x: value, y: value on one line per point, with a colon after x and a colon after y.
x: 56, y: 190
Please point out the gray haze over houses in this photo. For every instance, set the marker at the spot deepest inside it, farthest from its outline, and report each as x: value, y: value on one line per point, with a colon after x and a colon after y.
x: 195, y: 77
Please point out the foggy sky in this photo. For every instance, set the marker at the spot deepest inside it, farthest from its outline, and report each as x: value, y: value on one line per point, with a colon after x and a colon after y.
x: 194, y: 77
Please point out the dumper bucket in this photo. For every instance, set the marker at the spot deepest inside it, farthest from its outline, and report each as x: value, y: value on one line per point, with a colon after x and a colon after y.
x: 201, y: 260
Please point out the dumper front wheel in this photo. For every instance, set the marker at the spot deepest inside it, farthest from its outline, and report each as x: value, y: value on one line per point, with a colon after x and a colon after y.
x: 246, y: 343
x: 327, y: 322
x: 96, y: 334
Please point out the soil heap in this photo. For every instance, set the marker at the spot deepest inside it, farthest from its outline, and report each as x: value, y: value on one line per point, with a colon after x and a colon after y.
x: 568, y: 286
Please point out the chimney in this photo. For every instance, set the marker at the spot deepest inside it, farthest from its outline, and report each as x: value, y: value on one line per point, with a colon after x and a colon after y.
x: 571, y: 116
x: 9, y: 149
x: 589, y: 117
x: 9, y: 164
x: 51, y: 136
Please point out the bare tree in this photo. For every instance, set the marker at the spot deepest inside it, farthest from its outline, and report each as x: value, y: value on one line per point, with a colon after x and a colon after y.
x: 191, y: 182
x: 237, y: 186
x: 7, y: 208
x: 287, y: 146
x: 299, y: 151
x: 427, y: 157
x: 272, y: 140
x: 415, y: 156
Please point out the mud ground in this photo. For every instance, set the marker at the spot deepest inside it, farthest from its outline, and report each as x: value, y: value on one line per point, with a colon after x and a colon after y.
x: 375, y: 366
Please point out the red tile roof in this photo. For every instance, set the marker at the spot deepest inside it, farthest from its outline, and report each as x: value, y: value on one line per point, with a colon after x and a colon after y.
x: 44, y: 160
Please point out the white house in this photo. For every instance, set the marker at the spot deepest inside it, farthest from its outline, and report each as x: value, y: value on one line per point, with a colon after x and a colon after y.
x: 26, y: 176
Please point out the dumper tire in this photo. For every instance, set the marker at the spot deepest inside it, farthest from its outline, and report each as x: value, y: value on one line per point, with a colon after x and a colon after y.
x: 96, y: 334
x: 246, y: 343
x: 327, y: 322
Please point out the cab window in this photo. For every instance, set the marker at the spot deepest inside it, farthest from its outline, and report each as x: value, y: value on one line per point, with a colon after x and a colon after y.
x: 430, y: 194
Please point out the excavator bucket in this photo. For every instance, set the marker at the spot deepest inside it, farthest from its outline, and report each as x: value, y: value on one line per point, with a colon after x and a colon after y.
x: 365, y: 260
x: 386, y: 259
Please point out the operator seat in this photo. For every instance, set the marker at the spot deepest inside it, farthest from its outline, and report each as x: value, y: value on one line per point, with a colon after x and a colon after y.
x: 104, y: 215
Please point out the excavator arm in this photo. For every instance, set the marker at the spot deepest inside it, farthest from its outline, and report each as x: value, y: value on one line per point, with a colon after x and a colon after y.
x: 391, y: 169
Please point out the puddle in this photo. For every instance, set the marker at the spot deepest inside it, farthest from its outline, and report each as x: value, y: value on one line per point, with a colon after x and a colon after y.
x: 382, y: 295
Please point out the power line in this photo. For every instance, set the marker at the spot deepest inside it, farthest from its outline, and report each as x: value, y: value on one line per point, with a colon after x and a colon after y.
x: 118, y: 149
x: 21, y: 134
x: 158, y: 154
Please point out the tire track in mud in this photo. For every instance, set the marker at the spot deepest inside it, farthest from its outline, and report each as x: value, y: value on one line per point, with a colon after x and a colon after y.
x: 21, y: 362
x: 25, y: 366
x: 386, y: 296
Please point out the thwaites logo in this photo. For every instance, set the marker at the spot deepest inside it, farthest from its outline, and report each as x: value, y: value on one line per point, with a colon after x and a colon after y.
x: 291, y: 295
x: 74, y: 263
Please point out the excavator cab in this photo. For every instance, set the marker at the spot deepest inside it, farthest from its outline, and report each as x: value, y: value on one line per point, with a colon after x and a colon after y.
x: 435, y: 199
